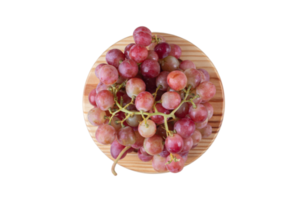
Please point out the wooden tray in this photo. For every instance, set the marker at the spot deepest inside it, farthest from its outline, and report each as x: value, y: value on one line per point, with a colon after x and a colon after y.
x: 189, y: 52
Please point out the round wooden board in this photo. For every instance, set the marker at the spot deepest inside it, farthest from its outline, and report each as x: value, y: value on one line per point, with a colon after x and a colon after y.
x: 189, y: 52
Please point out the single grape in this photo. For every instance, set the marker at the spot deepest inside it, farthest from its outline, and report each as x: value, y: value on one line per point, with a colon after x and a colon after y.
x: 170, y: 100
x: 126, y: 136
x: 127, y: 49
x: 210, y: 110
x: 161, y: 80
x: 114, y: 123
x: 161, y: 132
x: 105, y: 134
x: 200, y: 125
x: 187, y: 145
x: 108, y: 74
x: 114, y: 56
x: 134, y: 120
x: 162, y: 49
x: 147, y: 128
x: 139, y: 140
x: 187, y: 64
x: 96, y: 116
x: 150, y: 84
x: 177, y: 80
x: 174, y: 144
x: 144, y: 101
x: 144, y: 157
x: 175, y: 51
x: 105, y: 100
x: 183, y: 110
x: 159, y: 163
x: 142, y: 38
x: 152, y: 55
x: 164, y: 152
x: 158, y: 39
x: 196, y: 138
x: 206, y: 131
x: 198, y: 114
x: 153, y: 145
x: 158, y: 119
x: 203, y: 77
x: 128, y: 69
x: 142, y: 29
x: 206, y: 91
x: 101, y: 86
x: 138, y: 53
x: 150, y: 68
x: 185, y: 127
x: 207, y: 76
x: 169, y: 63
x: 184, y: 156
x: 175, y: 166
x: 193, y: 77
x: 134, y: 86
x: 97, y: 69
x: 92, y: 97
x: 115, y: 149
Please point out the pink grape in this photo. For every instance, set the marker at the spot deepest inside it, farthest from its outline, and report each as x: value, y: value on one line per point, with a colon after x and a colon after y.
x: 177, y: 80
x: 170, y: 100
x: 187, y: 145
x: 115, y: 149
x: 174, y: 144
x: 117, y: 126
x: 114, y: 56
x: 158, y: 119
x: 96, y: 116
x: 193, y: 77
x: 196, y: 138
x: 121, y: 80
x: 145, y: 157
x: 206, y: 91
x: 126, y: 136
x: 141, y: 29
x: 153, y: 145
x: 150, y: 68
x: 142, y: 38
x: 187, y: 64
x: 105, y: 100
x: 138, y: 53
x: 207, y: 76
x: 185, y: 127
x: 203, y: 77
x: 200, y: 125
x: 139, y: 140
x: 169, y: 63
x: 175, y: 166
x: 210, y: 110
x: 97, y: 69
x: 101, y: 86
x: 144, y: 101
x: 105, y: 134
x: 134, y: 120
x: 162, y: 49
x: 127, y: 49
x: 159, y: 163
x: 184, y: 156
x: 164, y: 152
x: 128, y: 69
x: 183, y: 110
x: 152, y: 55
x: 175, y: 51
x: 147, y: 131
x: 92, y: 97
x: 108, y: 74
x: 161, y: 80
x: 198, y: 114
x: 134, y: 86
x: 206, y: 131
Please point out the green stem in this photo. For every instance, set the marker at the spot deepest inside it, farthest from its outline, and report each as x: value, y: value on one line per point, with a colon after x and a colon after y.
x: 117, y: 159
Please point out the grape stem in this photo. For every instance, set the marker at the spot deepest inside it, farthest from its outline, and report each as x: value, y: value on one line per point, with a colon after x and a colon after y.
x: 117, y: 159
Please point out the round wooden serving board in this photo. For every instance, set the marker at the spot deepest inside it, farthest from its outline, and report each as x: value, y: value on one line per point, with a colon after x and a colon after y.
x: 189, y: 52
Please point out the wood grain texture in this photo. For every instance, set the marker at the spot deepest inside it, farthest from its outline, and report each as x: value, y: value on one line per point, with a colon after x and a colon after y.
x: 189, y: 52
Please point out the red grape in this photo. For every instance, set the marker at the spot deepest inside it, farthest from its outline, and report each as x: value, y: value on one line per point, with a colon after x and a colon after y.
x: 134, y: 86
x: 147, y: 131
x: 206, y: 131
x: 101, y: 86
x: 114, y: 123
x: 175, y: 166
x: 142, y: 29
x: 161, y: 80
x: 174, y: 144
x: 152, y: 55
x: 207, y: 76
x: 210, y: 110
x: 196, y: 138
x: 198, y: 114
x: 105, y: 100
x: 138, y: 53
x: 142, y: 38
x: 193, y: 77
x: 183, y: 110
x: 145, y: 157
x: 127, y: 49
x: 175, y: 51
x: 105, y: 134
x: 206, y: 90
x: 108, y: 74
x: 150, y: 68
x: 96, y: 116
x: 184, y: 156
x: 115, y: 150
x: 126, y: 136
x: 139, y: 140
x: 185, y: 127
x: 159, y: 163
x: 200, y: 125
x: 170, y: 100
x: 161, y: 132
x: 187, y: 64
x: 187, y: 145
x: 134, y: 120
x: 144, y: 101
x: 177, y: 80
x: 169, y: 63
x: 97, y: 69
x: 114, y: 56
x: 92, y: 97
x: 128, y: 69
x: 158, y: 119
x: 153, y: 145
x: 164, y: 152
x: 162, y: 49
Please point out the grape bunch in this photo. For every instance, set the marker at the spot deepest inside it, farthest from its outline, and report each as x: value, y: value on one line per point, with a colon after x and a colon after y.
x: 150, y: 102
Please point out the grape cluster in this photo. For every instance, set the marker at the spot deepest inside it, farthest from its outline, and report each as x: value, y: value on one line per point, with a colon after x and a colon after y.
x: 150, y: 102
